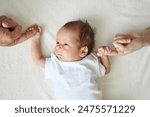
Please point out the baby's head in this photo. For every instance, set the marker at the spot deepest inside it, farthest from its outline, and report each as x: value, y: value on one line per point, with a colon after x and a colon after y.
x: 75, y: 40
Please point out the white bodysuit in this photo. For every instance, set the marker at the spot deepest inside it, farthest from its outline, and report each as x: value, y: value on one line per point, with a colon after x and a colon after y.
x: 74, y: 80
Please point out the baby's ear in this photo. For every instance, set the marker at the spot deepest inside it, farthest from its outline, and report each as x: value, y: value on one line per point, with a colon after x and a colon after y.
x: 83, y: 51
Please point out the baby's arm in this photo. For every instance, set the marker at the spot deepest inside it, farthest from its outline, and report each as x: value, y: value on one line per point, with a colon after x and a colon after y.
x: 104, y: 60
x: 36, y: 50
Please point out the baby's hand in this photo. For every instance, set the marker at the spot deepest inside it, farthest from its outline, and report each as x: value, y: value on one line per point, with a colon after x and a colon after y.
x: 33, y: 31
x: 104, y: 50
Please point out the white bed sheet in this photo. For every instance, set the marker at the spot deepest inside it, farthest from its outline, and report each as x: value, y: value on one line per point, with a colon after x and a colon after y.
x: 129, y: 78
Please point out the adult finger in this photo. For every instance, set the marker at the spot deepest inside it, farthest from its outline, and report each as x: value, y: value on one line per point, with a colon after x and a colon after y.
x: 119, y: 34
x: 9, y: 23
x: 1, y: 19
x: 135, y: 35
x: 16, y: 33
x: 119, y: 47
x: 123, y: 41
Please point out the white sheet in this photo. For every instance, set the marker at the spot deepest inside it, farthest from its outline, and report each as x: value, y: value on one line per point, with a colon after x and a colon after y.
x: 129, y: 78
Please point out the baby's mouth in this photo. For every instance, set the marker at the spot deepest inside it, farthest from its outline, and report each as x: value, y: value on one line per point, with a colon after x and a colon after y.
x: 59, y: 56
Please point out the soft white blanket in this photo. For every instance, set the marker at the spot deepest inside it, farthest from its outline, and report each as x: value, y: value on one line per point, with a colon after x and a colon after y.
x: 129, y: 78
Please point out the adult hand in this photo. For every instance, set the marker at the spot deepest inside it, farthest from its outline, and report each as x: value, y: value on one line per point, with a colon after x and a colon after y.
x: 126, y: 43
x: 9, y: 31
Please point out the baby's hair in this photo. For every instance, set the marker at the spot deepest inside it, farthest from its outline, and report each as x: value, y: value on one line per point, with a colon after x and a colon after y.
x: 86, y: 33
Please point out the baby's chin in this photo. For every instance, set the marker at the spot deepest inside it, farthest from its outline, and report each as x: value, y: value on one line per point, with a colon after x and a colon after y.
x: 67, y: 59
x: 60, y: 57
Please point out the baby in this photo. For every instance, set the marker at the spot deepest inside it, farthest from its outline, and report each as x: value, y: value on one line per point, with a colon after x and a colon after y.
x: 72, y: 68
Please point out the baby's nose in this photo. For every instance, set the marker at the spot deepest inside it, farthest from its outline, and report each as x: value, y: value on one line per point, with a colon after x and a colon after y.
x: 59, y: 46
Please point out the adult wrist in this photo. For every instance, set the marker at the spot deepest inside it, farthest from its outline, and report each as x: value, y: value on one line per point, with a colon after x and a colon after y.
x: 146, y: 38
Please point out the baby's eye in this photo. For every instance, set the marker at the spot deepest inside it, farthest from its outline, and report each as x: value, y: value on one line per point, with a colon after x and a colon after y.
x: 57, y: 43
x: 65, y: 44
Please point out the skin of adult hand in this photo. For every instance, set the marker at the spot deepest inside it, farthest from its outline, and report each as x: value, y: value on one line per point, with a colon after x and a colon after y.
x: 123, y: 44
x: 9, y: 31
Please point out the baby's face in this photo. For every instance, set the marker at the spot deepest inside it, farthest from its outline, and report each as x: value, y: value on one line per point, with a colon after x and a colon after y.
x: 68, y: 45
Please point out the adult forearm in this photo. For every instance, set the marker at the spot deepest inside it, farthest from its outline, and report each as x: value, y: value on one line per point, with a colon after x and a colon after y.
x: 146, y: 42
x: 21, y: 39
x: 146, y: 37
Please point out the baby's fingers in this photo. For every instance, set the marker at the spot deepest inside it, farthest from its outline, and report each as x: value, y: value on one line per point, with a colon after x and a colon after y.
x: 104, y: 51
x: 100, y: 51
x: 109, y: 51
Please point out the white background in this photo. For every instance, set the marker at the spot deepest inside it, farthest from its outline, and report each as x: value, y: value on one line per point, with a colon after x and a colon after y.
x: 129, y: 78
